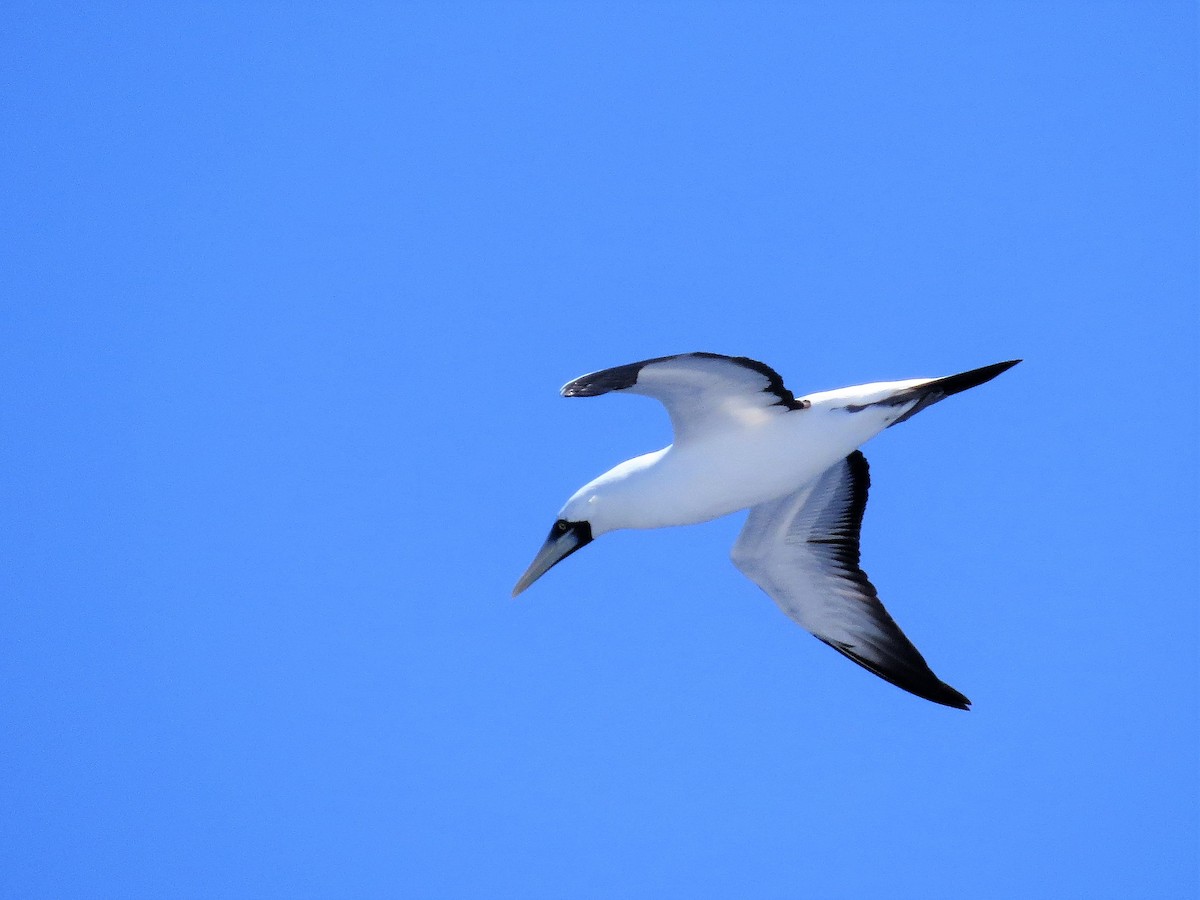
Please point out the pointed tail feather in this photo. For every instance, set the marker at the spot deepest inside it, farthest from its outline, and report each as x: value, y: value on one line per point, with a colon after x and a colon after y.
x: 931, y: 392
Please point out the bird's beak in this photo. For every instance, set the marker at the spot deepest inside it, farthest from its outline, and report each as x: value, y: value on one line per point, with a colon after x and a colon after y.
x: 558, y: 547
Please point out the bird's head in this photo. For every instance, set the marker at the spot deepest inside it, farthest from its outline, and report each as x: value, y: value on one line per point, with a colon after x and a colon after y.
x: 582, y: 519
x: 602, y: 505
x: 565, y: 538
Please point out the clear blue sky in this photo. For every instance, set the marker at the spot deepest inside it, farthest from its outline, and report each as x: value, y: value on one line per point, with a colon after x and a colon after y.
x: 287, y: 295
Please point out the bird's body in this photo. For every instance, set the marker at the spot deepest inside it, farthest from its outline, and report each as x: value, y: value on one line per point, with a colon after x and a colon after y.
x: 723, y: 471
x: 742, y: 441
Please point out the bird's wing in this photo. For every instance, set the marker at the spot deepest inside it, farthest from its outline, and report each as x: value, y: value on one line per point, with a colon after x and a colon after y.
x: 802, y: 549
x: 701, y: 391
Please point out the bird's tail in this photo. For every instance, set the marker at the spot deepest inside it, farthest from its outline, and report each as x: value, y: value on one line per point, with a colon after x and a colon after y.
x: 930, y: 392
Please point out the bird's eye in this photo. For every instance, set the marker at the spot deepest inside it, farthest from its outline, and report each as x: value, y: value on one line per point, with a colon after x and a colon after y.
x: 561, y: 526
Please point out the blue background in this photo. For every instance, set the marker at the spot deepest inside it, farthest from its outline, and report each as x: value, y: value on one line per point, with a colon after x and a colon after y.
x: 287, y: 293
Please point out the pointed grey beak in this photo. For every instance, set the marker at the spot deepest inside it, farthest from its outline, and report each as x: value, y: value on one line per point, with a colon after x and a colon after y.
x: 565, y: 538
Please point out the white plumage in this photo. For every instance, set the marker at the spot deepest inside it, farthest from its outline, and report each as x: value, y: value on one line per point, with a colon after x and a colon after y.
x: 742, y: 440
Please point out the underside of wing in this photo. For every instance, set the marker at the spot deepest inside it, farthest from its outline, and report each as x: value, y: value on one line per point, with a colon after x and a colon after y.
x: 803, y: 550
x: 701, y: 391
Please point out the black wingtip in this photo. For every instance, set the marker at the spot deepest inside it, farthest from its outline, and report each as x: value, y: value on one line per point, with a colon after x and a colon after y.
x: 618, y: 378
x: 916, y: 678
x: 937, y: 692
x: 952, y: 698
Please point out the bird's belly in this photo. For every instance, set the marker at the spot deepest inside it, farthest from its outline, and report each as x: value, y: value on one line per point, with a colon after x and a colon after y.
x: 734, y: 470
x: 720, y: 477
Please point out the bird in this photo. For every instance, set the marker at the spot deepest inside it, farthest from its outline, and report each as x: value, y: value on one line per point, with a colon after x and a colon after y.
x: 744, y: 441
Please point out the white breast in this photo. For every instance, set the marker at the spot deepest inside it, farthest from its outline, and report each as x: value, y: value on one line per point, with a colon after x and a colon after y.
x: 722, y: 473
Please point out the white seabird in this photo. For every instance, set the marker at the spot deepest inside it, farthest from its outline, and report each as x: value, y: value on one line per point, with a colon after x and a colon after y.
x: 743, y: 440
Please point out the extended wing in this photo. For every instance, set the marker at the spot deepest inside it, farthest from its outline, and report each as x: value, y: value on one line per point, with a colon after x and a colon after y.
x: 803, y: 550
x: 701, y: 391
